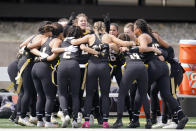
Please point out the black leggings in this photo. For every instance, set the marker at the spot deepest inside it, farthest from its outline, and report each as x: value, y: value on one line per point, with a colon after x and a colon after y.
x: 69, y: 72
x: 29, y: 96
x: 98, y: 71
x: 158, y: 71
x: 140, y: 74
x: 46, y: 90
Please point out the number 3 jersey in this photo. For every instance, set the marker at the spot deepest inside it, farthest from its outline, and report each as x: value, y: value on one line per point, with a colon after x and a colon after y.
x: 71, y: 51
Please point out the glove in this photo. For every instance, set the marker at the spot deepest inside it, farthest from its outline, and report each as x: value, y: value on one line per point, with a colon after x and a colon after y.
x: 43, y: 55
x: 71, y: 18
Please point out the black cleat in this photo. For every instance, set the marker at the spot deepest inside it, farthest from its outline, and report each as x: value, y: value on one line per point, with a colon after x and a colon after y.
x: 117, y: 124
x: 154, y: 119
x: 182, y: 123
x: 133, y: 124
x: 148, y: 124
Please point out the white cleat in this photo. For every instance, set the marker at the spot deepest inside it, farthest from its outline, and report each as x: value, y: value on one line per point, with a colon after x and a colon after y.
x: 40, y: 124
x: 65, y: 121
x: 158, y: 125
x: 33, y: 120
x: 79, y: 119
x: 74, y: 124
x: 159, y: 119
x: 54, y: 120
x: 91, y: 120
x: 60, y: 114
x: 50, y: 125
x: 171, y: 125
x: 24, y: 122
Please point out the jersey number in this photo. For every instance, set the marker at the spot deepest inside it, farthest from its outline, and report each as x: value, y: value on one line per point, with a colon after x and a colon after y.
x: 135, y: 56
x: 67, y: 55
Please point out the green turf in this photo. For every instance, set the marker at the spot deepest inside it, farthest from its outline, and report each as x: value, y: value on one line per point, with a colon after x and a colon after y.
x: 5, y: 123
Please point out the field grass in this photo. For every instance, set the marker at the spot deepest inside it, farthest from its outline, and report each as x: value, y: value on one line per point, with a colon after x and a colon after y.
x: 5, y: 123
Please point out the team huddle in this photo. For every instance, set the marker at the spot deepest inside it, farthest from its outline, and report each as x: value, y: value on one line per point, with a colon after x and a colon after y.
x: 48, y: 78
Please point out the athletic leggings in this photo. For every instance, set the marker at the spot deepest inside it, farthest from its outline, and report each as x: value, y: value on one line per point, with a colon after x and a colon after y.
x: 158, y: 71
x: 135, y: 70
x: 46, y: 90
x: 69, y: 70
x: 12, y: 72
x: 98, y: 71
x: 29, y: 95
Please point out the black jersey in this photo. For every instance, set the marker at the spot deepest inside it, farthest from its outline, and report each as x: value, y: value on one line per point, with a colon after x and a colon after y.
x: 147, y: 56
x: 132, y: 55
x: 45, y: 48
x: 104, y: 57
x: 28, y: 54
x: 84, y: 56
x: 72, y: 51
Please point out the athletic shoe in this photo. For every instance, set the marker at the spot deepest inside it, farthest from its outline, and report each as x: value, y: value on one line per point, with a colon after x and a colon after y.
x: 133, y: 124
x: 158, y: 125
x: 79, y: 119
x: 85, y: 124
x: 24, y: 122
x: 60, y: 114
x: 74, y: 124
x: 159, y: 119
x: 33, y: 120
x: 53, y: 119
x: 50, y: 125
x: 171, y: 125
x: 40, y: 124
x: 12, y: 117
x: 148, y: 124
x: 100, y: 120
x: 182, y: 123
x: 117, y: 124
x: 106, y: 125
x: 65, y: 121
x: 91, y: 120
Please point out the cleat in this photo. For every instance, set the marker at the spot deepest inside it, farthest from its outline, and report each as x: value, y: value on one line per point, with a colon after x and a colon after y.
x: 54, y: 120
x: 85, y: 124
x: 133, y: 124
x: 117, y: 124
x: 65, y: 121
x: 106, y: 125
x: 60, y: 114
x: 33, y: 120
x: 158, y: 125
x: 148, y: 124
x: 171, y: 125
x: 50, y: 125
x: 182, y: 123
x: 91, y: 120
x: 24, y: 122
x: 40, y: 124
x: 74, y: 124
x: 79, y: 119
